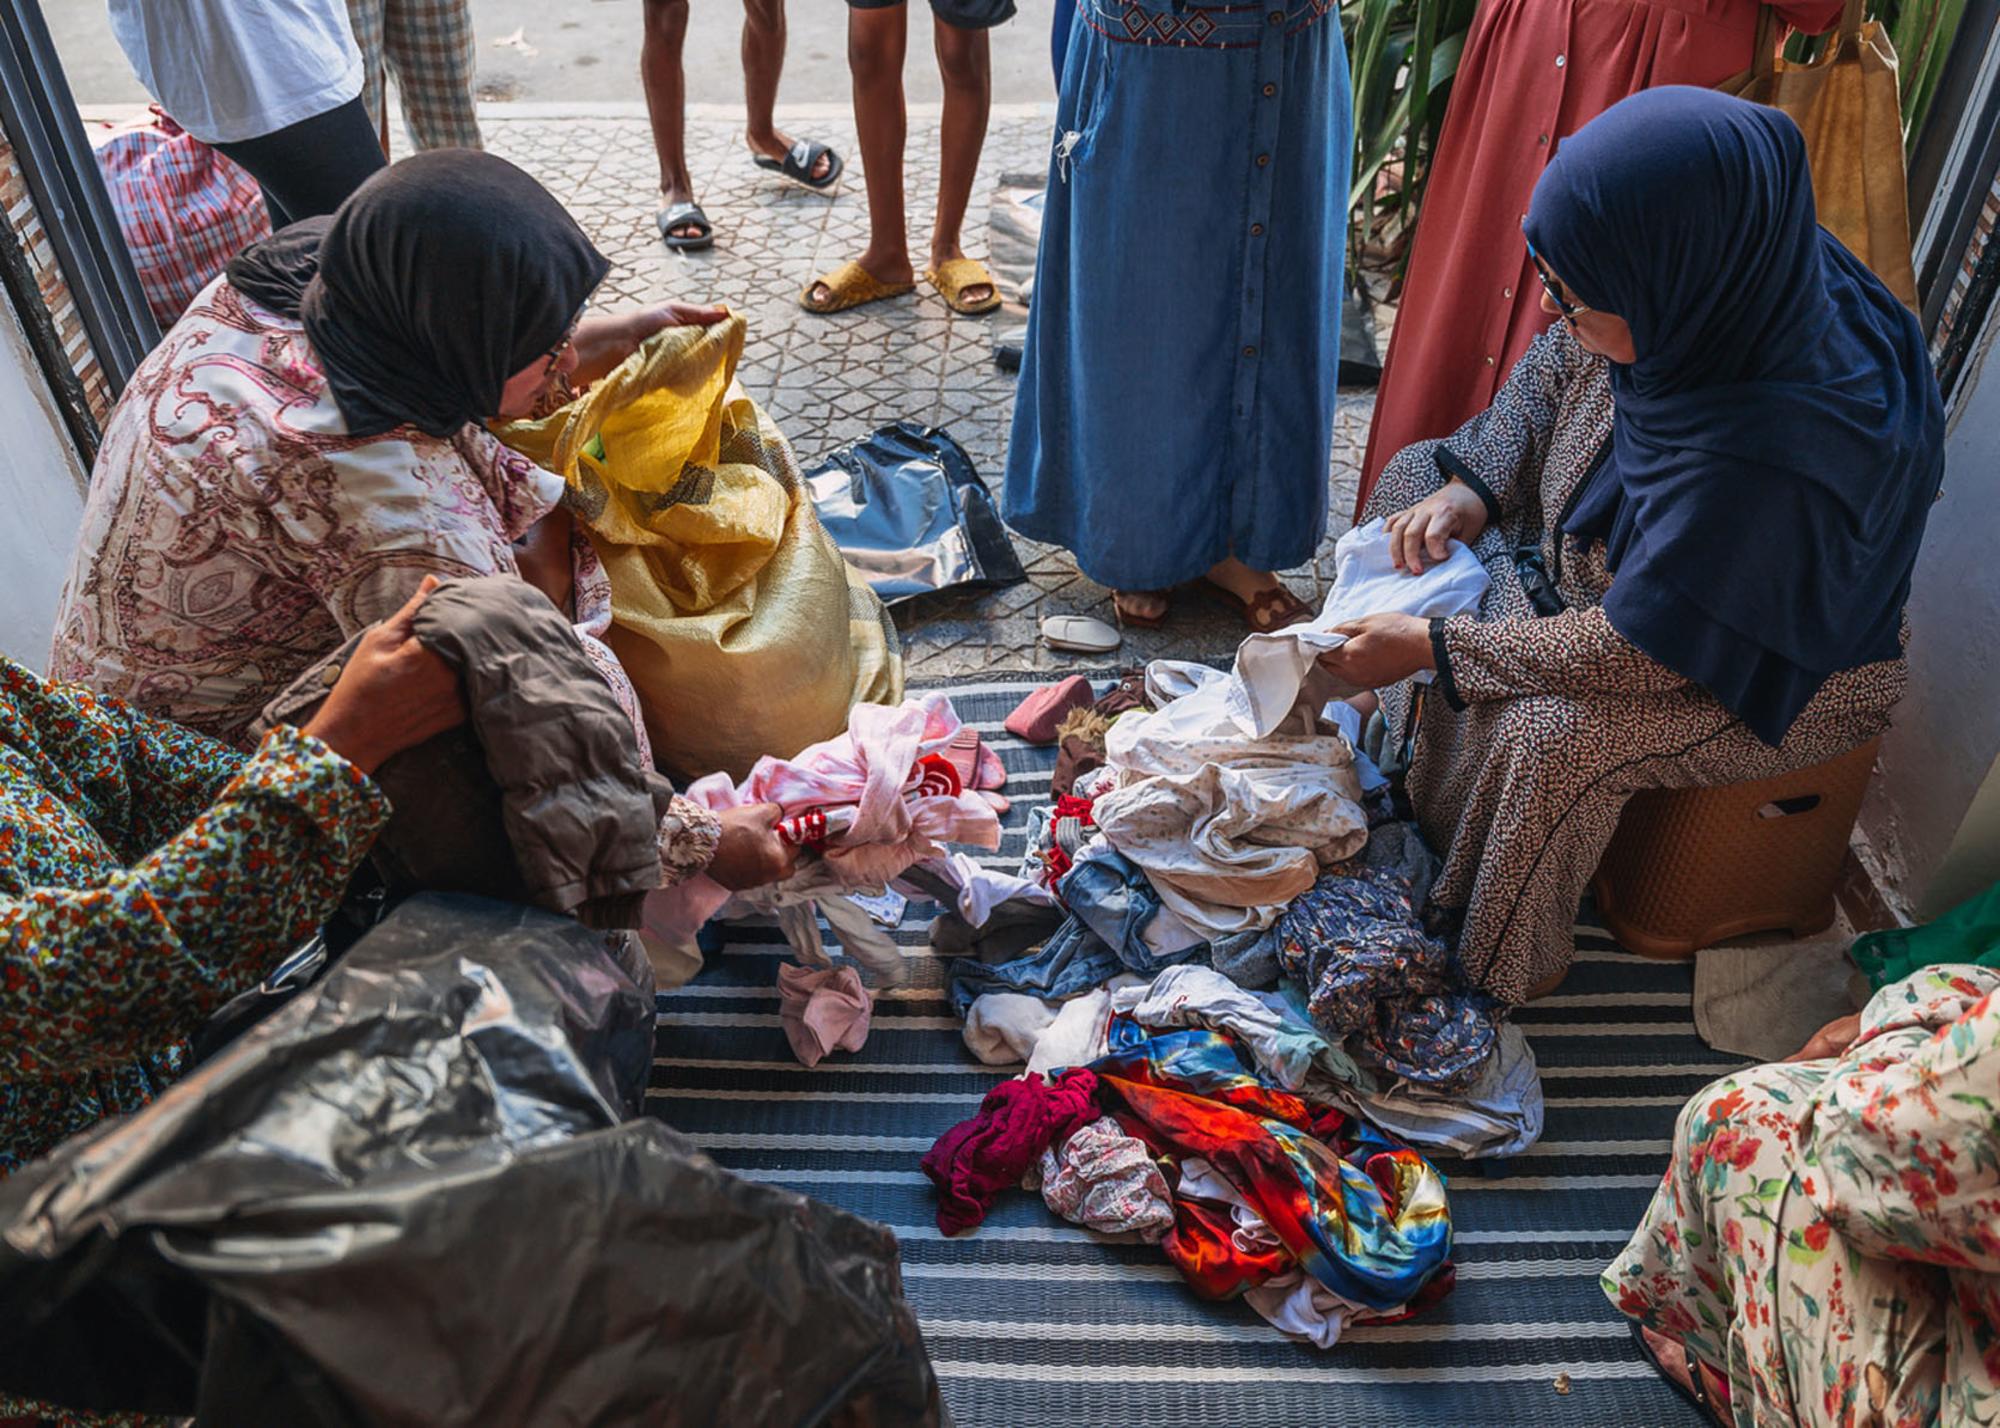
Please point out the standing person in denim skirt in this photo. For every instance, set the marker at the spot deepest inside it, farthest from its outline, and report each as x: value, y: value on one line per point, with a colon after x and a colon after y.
x: 1175, y: 415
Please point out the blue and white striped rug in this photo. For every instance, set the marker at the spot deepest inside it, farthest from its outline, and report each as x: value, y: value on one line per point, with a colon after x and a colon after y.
x: 1034, y: 1323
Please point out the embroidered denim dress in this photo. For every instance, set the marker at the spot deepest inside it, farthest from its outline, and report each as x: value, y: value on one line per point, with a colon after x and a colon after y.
x: 1177, y: 393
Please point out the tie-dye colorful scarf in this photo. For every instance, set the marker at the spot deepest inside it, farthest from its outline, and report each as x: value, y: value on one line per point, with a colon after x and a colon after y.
x: 1367, y: 1219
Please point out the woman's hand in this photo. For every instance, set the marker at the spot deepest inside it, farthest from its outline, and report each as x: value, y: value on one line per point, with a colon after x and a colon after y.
x: 750, y: 853
x: 393, y: 694
x: 1836, y: 1038
x: 1381, y: 650
x: 1424, y: 531
x: 545, y: 559
x: 602, y: 341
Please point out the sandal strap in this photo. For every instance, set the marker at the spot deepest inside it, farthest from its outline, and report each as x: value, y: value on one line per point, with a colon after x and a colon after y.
x: 684, y: 215
x: 961, y: 273
x: 1280, y: 602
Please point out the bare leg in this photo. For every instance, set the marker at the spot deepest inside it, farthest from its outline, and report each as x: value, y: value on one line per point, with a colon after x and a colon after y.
x: 876, y: 43
x: 666, y: 100
x: 763, y: 63
x: 965, y: 63
x: 1240, y: 580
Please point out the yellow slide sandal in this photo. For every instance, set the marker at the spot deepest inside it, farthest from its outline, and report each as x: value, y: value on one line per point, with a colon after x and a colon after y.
x: 850, y: 285
x: 953, y: 276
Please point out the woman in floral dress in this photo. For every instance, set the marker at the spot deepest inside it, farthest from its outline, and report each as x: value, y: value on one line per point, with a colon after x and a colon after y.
x: 1825, y: 1247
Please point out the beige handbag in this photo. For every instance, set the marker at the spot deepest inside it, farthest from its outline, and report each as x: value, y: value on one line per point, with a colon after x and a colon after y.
x: 1847, y: 104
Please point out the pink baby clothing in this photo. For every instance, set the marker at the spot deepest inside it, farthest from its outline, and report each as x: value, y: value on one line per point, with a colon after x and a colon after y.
x: 1035, y: 719
x: 823, y: 1009
x: 867, y: 769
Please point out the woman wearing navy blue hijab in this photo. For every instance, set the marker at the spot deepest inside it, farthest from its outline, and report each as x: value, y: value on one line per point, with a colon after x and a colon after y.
x: 1700, y: 497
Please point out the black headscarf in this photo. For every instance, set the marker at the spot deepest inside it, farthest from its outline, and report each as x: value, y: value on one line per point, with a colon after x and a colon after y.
x: 437, y: 280
x: 1779, y: 439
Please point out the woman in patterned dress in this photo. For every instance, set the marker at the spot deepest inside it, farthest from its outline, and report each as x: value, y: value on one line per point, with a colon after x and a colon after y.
x: 1738, y: 420
x: 1825, y: 1247
x: 306, y: 444
x: 149, y: 873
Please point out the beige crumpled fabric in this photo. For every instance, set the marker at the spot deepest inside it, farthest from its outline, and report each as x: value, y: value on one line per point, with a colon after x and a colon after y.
x: 1229, y: 829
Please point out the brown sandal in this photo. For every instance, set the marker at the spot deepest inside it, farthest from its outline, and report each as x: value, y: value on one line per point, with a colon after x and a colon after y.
x: 1265, y: 613
x: 1143, y: 622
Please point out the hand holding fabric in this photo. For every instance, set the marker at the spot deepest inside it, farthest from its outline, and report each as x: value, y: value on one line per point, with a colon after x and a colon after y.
x: 1380, y: 650
x: 392, y: 695
x: 603, y: 341
x: 1422, y: 535
x: 750, y: 853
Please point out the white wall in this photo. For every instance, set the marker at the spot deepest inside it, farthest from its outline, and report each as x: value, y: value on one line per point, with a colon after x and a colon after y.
x: 1921, y: 816
x: 41, y: 499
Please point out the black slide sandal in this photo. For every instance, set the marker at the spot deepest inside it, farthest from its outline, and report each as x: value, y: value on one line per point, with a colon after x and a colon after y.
x: 685, y: 215
x: 797, y: 165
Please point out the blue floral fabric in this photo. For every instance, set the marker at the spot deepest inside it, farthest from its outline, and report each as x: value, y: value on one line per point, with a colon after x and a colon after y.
x: 1374, y: 979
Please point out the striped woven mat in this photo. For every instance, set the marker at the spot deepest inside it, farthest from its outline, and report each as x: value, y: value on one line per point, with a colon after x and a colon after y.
x: 1035, y: 1323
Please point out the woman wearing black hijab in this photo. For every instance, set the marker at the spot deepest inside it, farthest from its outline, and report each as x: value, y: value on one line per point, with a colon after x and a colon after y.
x: 1700, y: 497
x: 306, y: 445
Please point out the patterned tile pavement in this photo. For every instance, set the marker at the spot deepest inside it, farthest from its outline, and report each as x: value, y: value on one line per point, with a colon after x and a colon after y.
x: 827, y: 380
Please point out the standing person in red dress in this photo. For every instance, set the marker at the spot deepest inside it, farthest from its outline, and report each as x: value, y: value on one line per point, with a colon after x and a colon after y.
x: 1534, y: 72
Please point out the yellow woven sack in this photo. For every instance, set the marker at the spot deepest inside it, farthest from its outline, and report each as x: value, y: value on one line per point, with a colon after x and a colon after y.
x: 1846, y: 103
x: 743, y: 629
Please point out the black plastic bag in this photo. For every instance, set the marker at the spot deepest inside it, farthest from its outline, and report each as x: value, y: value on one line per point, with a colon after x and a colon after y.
x: 411, y: 1196
x: 908, y: 511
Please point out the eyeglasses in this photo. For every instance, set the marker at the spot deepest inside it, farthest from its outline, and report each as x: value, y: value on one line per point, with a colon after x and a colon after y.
x: 555, y: 353
x: 1568, y: 309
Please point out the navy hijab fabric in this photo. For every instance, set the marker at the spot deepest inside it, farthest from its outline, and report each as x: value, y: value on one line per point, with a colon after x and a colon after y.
x: 1778, y: 442
x: 437, y: 280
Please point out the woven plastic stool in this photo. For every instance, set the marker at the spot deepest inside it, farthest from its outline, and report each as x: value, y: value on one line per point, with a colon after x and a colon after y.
x: 1691, y: 867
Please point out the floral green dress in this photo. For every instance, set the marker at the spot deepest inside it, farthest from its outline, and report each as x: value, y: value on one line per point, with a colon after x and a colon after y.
x: 1827, y: 1237
x: 147, y: 874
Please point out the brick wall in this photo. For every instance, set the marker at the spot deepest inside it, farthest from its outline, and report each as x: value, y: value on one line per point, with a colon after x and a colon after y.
x: 19, y: 206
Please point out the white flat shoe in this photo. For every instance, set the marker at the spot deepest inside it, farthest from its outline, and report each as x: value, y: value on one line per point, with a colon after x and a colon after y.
x: 1080, y: 634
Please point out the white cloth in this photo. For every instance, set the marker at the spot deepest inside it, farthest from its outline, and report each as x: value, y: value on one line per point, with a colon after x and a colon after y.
x: 1300, y: 1307
x: 980, y: 889
x: 1165, y: 935
x: 1004, y: 1027
x: 1193, y: 995
x: 1079, y: 1032
x: 1228, y: 829
x: 239, y: 69
x: 1105, y: 1180
x: 1271, y: 669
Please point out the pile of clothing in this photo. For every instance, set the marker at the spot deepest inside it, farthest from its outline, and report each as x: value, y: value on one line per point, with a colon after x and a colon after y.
x: 870, y: 808
x: 1194, y: 1124
x: 1220, y: 949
